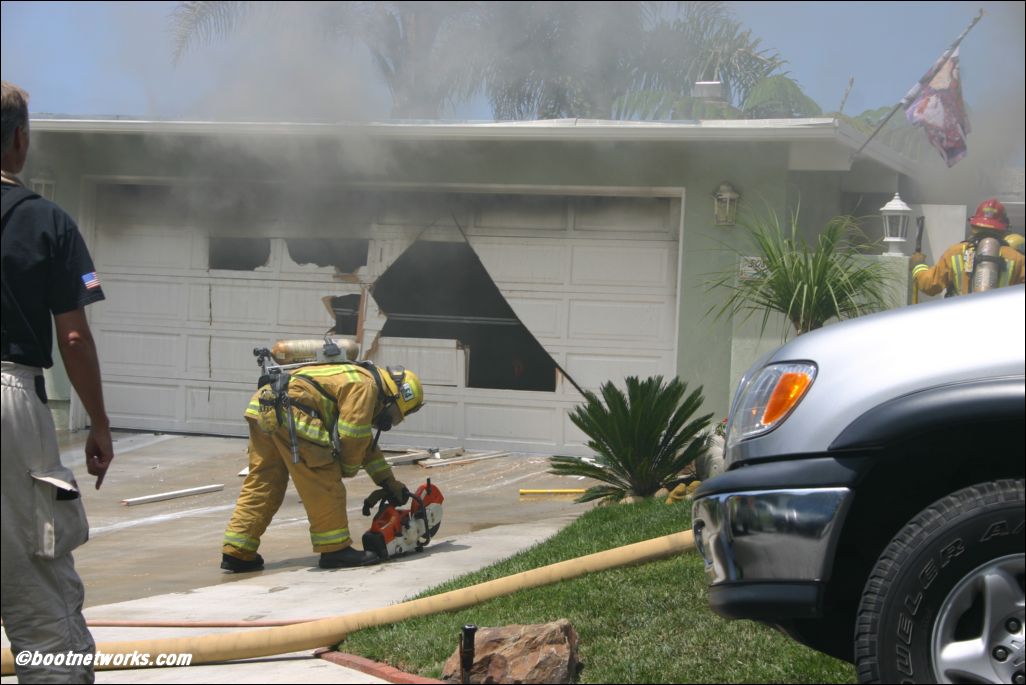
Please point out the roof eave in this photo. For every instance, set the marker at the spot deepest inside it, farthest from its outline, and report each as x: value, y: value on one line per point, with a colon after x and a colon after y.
x: 739, y: 131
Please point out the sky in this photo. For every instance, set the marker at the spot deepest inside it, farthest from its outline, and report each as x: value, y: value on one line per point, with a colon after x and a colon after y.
x: 113, y: 58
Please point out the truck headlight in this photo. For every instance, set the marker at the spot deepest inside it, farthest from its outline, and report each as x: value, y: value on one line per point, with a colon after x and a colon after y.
x: 770, y: 398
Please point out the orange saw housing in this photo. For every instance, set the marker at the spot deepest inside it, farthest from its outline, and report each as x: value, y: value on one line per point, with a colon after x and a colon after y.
x: 395, y: 531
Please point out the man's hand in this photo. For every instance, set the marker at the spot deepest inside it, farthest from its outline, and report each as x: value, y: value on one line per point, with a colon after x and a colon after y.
x: 99, y: 452
x: 397, y: 492
x: 918, y: 258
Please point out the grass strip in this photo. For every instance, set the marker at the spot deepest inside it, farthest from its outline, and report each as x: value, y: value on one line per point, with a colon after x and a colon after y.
x: 641, y: 624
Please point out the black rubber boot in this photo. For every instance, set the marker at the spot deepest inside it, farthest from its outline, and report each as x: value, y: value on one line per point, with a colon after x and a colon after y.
x: 348, y: 558
x: 236, y: 565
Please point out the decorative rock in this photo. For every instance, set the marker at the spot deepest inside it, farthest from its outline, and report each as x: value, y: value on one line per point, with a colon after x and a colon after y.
x: 542, y: 653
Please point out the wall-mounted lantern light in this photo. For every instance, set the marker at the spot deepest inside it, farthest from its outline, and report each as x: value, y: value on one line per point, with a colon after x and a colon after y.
x: 896, y: 215
x: 726, y: 204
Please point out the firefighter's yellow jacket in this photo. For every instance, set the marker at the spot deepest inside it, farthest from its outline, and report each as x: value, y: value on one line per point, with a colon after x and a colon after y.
x: 334, y: 406
x: 950, y: 270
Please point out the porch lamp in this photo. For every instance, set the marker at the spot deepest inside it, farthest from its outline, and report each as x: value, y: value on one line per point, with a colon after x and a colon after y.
x: 725, y: 208
x: 896, y: 215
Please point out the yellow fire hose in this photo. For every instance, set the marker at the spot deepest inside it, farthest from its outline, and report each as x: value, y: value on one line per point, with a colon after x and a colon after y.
x: 207, y: 649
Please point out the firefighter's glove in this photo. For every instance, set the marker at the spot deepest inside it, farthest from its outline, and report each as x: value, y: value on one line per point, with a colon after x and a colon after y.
x: 397, y: 492
x: 373, y: 499
x: 918, y: 258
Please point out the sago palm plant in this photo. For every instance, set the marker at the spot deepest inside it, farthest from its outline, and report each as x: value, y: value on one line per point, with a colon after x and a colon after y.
x: 810, y: 285
x: 642, y: 438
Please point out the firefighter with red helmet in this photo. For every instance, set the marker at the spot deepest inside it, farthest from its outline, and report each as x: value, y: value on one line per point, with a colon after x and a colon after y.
x: 981, y: 262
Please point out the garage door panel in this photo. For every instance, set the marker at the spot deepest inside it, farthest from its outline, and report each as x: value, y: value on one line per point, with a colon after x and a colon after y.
x: 646, y: 322
x: 159, y: 301
x: 543, y: 317
x: 142, y: 403
x: 216, y: 409
x: 224, y: 357
x: 440, y: 418
x: 522, y: 212
x: 138, y: 247
x: 591, y: 370
x: 139, y: 353
x: 623, y: 266
x: 510, y: 262
x: 525, y: 424
x: 605, y: 214
x: 247, y: 304
x: 302, y: 307
x: 436, y: 362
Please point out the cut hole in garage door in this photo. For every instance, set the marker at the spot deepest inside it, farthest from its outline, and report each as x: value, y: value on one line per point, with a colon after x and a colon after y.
x: 440, y: 290
x: 239, y: 254
x: 345, y: 255
x: 347, y: 314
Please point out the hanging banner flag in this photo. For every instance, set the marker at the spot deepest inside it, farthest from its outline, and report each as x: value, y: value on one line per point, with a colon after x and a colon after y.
x: 935, y: 104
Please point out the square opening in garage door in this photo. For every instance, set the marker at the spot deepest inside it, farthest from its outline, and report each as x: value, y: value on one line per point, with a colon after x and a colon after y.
x: 441, y: 290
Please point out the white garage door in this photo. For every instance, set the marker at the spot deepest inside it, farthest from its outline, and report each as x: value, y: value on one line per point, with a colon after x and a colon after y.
x: 592, y: 278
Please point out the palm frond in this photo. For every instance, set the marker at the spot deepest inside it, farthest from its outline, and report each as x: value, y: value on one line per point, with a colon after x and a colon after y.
x: 204, y: 22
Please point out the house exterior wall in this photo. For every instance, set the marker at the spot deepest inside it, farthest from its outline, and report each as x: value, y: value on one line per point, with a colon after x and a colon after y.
x: 705, y: 353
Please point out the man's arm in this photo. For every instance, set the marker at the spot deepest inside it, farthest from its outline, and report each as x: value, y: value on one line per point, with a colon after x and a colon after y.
x: 78, y: 350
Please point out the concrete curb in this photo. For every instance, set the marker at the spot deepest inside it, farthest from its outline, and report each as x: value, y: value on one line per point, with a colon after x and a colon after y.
x: 372, y: 668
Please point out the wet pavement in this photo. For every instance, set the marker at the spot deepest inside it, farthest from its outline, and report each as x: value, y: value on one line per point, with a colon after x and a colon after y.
x: 160, y: 561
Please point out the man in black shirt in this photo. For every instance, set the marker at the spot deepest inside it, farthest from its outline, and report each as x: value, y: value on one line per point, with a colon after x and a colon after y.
x: 46, y: 270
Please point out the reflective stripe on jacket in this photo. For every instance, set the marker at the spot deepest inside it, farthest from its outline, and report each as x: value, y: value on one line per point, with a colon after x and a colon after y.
x: 949, y: 272
x: 349, y: 401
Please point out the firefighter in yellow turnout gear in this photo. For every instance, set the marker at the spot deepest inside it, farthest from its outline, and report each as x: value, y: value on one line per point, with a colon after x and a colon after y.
x: 335, y: 409
x: 954, y: 271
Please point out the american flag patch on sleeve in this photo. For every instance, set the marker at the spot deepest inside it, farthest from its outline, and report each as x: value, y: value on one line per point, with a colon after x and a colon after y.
x: 91, y: 280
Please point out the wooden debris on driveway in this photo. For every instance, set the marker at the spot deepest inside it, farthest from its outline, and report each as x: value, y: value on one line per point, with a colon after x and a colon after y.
x: 172, y: 495
x: 469, y: 458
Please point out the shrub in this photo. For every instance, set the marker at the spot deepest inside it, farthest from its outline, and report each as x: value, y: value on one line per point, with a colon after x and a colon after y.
x: 642, y: 439
x: 808, y: 284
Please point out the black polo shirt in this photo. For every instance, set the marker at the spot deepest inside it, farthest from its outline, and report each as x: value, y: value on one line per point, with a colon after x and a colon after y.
x: 46, y: 270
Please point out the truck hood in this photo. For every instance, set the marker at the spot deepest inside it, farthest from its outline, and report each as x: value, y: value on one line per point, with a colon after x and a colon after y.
x: 867, y: 361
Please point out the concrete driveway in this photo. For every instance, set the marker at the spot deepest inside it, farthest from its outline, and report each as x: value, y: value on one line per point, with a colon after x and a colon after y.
x: 160, y: 561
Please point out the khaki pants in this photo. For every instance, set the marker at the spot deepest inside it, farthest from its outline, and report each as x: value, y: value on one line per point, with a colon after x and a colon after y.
x: 42, y: 593
x: 318, y: 479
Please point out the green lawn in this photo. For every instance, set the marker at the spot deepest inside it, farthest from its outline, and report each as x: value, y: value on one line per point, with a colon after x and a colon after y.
x: 643, y: 624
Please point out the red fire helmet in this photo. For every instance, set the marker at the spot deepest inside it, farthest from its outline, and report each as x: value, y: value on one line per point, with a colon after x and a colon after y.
x: 990, y: 214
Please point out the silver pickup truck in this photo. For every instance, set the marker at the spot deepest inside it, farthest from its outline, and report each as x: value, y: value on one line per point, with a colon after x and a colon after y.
x: 873, y: 503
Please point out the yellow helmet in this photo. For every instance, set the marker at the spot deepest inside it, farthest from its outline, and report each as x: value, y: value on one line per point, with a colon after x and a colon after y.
x: 405, y: 394
x: 1015, y: 241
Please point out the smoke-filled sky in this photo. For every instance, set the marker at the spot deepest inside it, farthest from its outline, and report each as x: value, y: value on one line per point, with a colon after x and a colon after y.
x: 114, y: 58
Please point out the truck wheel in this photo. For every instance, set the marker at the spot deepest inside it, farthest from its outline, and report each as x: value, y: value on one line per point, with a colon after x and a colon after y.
x: 944, y: 602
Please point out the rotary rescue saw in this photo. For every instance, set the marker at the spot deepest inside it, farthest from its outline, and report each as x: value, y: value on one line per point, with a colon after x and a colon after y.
x: 396, y: 531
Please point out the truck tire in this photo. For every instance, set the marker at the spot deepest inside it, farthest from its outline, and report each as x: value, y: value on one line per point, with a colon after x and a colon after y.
x: 944, y: 602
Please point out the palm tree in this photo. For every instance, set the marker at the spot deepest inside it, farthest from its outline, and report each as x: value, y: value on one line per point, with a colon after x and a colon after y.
x: 642, y: 440
x: 416, y: 46
x: 561, y: 59
x: 810, y: 285
x: 626, y: 60
x: 706, y: 43
x: 897, y: 133
x: 778, y: 97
